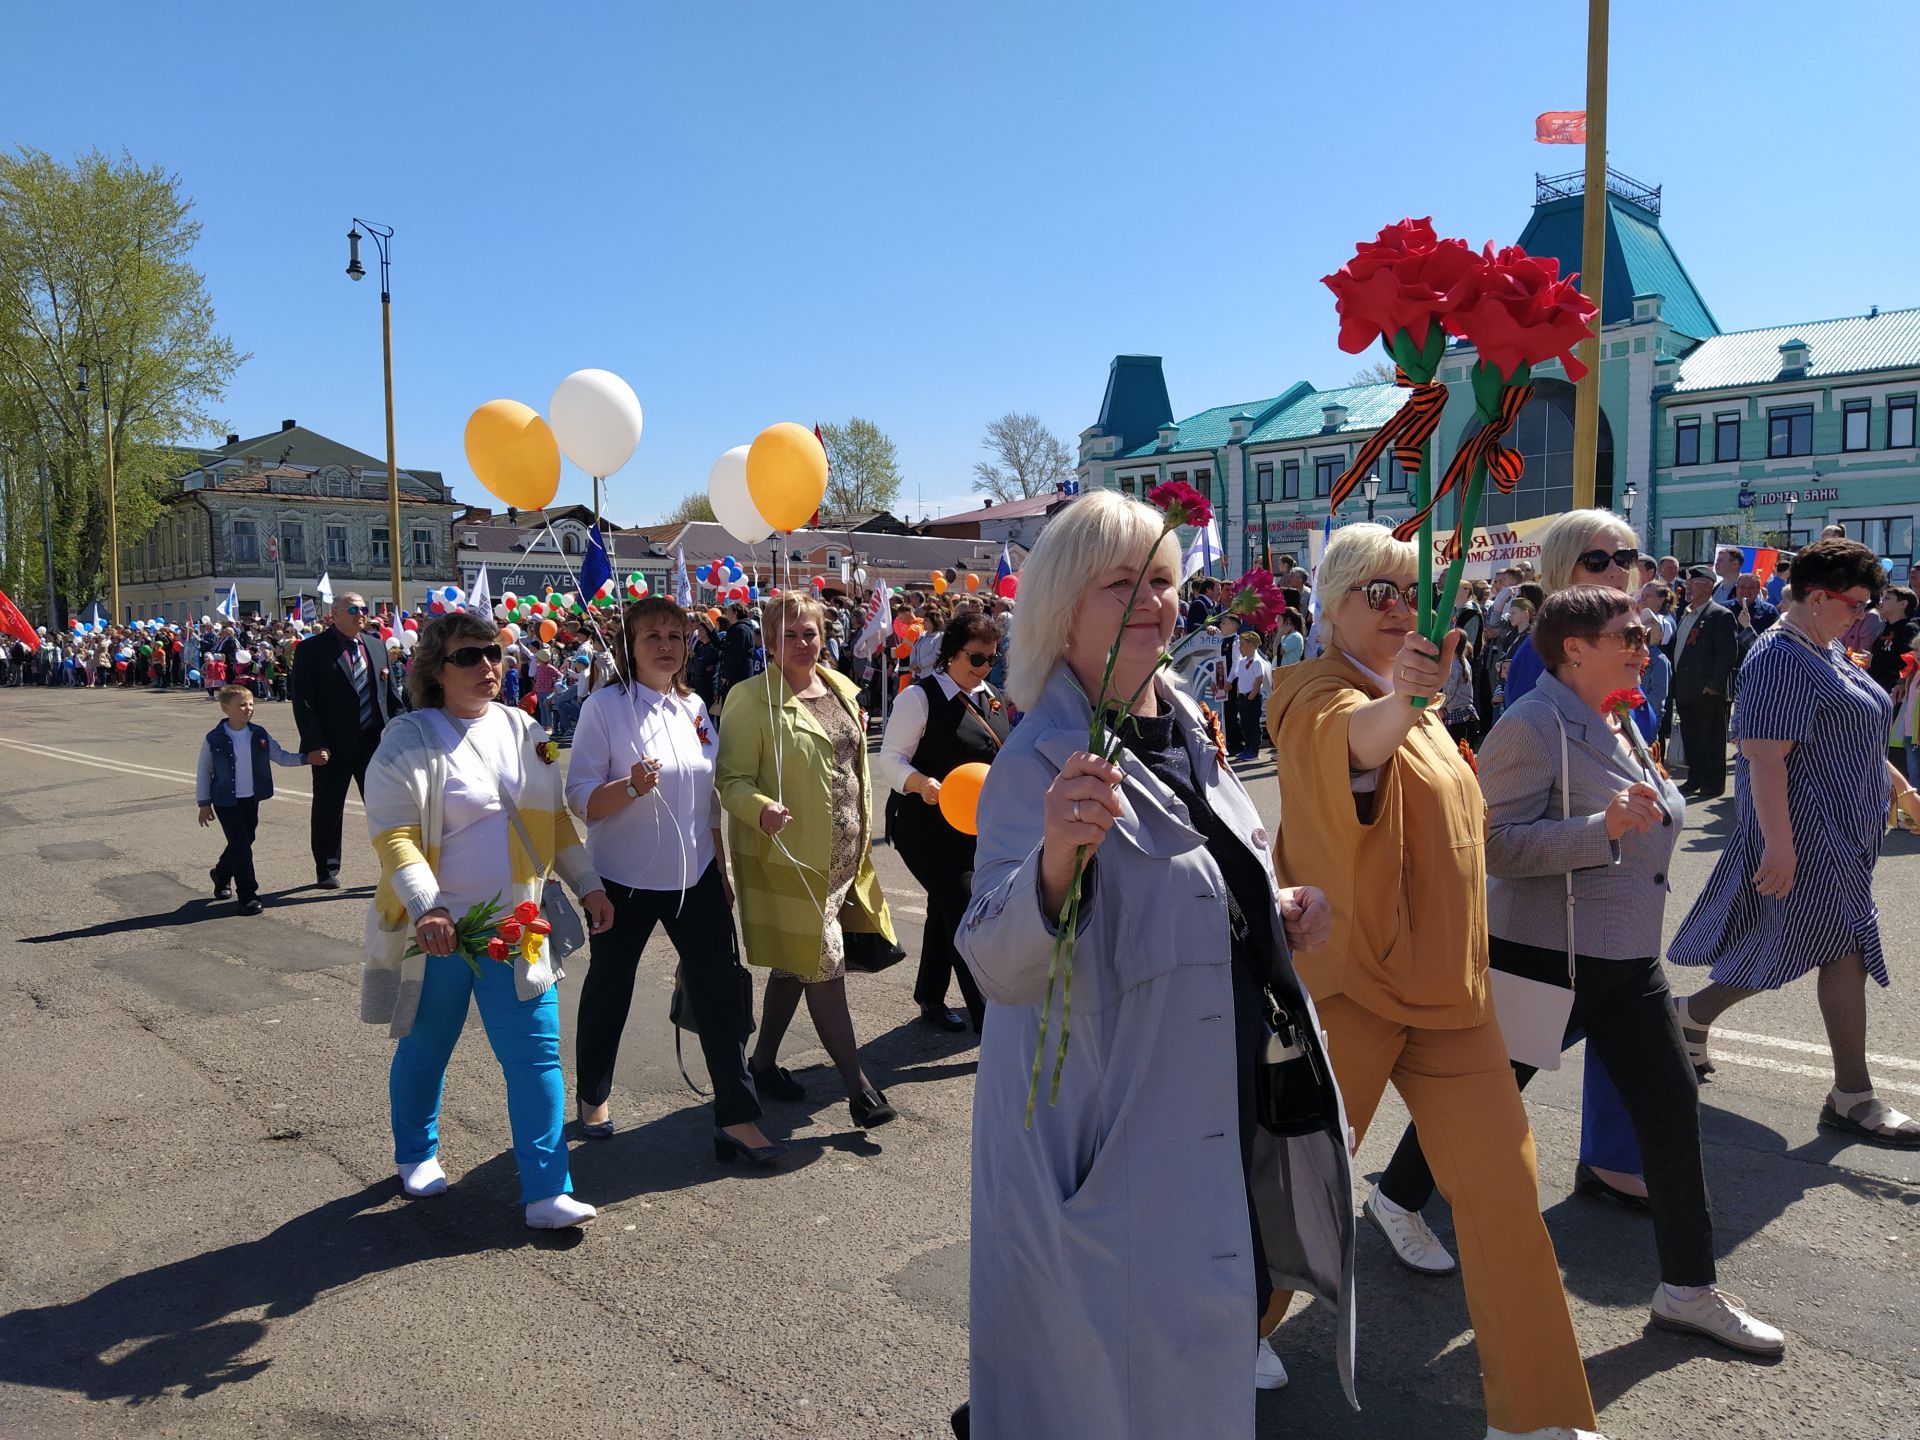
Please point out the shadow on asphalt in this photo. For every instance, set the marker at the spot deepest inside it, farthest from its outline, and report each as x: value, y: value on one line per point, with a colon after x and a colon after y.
x: 193, y: 912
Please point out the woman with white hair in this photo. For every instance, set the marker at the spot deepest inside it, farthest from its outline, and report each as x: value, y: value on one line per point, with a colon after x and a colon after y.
x: 1132, y: 1247
x: 1380, y: 803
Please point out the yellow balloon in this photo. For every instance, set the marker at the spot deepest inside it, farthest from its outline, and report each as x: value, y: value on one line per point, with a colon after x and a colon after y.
x: 786, y: 475
x: 513, y: 454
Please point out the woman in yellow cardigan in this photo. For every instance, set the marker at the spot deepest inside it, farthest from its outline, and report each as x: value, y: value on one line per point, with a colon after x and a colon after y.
x: 792, y: 774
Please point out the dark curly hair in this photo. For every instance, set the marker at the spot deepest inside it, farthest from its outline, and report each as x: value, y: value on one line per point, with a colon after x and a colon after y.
x: 1836, y: 566
x: 1579, y: 611
x: 961, y: 630
x: 441, y: 635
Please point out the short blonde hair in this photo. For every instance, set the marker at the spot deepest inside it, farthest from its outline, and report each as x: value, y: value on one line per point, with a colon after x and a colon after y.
x: 1565, y: 540
x: 1094, y: 534
x: 1355, y: 555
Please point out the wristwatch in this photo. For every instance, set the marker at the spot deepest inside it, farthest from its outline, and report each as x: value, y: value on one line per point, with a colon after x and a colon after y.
x: 632, y: 794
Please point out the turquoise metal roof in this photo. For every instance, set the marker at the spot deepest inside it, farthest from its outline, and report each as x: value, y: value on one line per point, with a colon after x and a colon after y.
x: 1850, y: 346
x: 1368, y: 408
x: 1211, y: 429
x: 1639, y: 261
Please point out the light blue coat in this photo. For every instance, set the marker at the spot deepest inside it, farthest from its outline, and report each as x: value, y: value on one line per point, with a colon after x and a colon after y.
x: 1112, y: 1279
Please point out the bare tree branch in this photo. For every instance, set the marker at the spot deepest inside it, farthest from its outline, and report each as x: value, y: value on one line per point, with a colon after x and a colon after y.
x: 1032, y: 459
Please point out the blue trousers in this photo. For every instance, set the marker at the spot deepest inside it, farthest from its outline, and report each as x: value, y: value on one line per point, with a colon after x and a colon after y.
x: 1606, y: 1132
x: 525, y: 1035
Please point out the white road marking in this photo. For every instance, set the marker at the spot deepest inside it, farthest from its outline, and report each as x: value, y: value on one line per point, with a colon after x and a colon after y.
x: 912, y: 911
x: 145, y: 772
x: 1802, y: 1047
x: 1812, y: 1072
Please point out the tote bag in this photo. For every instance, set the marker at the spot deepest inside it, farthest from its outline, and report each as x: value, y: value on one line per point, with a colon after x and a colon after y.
x: 1532, y: 1013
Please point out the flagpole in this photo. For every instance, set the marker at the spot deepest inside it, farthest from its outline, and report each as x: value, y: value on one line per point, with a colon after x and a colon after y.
x: 1593, y: 254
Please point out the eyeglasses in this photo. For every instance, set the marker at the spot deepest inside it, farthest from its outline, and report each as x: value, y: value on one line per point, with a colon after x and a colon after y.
x: 1595, y: 562
x: 1631, y: 637
x: 358, y: 610
x: 979, y: 659
x: 1382, y: 593
x: 468, y: 656
x: 1857, y: 607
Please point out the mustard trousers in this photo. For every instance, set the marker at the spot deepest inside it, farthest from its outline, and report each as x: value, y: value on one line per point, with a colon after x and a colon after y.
x: 1459, y: 1088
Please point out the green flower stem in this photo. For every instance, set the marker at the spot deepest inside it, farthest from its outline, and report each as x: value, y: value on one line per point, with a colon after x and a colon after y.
x: 1450, y: 588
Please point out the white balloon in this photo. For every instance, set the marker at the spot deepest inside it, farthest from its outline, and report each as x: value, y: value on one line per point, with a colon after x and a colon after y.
x: 596, y: 419
x: 860, y: 577
x: 732, y: 502
x: 408, y: 639
x: 243, y: 657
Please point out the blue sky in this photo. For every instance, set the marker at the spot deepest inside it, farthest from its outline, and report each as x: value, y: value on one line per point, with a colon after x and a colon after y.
x: 925, y: 215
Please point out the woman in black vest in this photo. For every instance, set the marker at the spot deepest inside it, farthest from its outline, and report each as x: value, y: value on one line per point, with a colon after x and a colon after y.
x: 951, y: 718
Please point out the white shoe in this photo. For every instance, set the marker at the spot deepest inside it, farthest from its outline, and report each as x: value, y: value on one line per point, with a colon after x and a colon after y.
x: 1546, y: 1432
x: 561, y: 1212
x: 1417, y: 1247
x: 1268, y: 1372
x: 1718, y: 1316
x: 423, y: 1179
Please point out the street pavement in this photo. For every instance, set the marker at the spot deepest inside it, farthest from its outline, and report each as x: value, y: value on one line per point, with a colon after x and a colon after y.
x: 204, y: 1236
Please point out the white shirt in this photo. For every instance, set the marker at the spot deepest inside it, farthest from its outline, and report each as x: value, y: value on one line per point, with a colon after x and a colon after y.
x: 475, y: 858
x: 663, y: 840
x: 1249, y: 673
x: 242, y: 763
x: 906, y: 726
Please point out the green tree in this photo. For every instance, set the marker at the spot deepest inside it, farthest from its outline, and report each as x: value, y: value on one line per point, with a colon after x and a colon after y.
x: 1032, y: 460
x: 691, y: 507
x: 96, y: 270
x: 863, y: 468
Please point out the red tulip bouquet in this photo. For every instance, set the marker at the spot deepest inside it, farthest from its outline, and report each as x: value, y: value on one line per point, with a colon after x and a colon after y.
x: 482, y: 931
x: 1409, y: 289
x: 1180, y: 504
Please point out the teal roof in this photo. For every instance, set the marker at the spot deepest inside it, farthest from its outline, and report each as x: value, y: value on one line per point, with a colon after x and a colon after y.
x: 1368, y: 408
x: 1208, y: 430
x: 1849, y: 346
x: 1136, y: 404
x: 1639, y: 260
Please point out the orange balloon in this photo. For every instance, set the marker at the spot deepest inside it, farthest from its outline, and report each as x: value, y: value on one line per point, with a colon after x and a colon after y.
x: 548, y: 629
x: 514, y: 454
x: 960, y: 797
x: 939, y: 584
x: 714, y: 616
x: 786, y: 475
x: 973, y: 581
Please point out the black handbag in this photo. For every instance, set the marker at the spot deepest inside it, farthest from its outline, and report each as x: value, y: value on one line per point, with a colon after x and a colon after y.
x: 870, y: 952
x: 1293, y: 1094
x: 680, y: 1012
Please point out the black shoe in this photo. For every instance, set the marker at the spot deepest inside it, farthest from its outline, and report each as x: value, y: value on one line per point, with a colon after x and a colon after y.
x: 328, y: 882
x: 1585, y: 1182
x: 775, y: 1081
x: 251, y: 905
x: 870, y: 1109
x: 222, y: 887
x: 603, y: 1130
x: 726, y: 1150
x: 941, y: 1018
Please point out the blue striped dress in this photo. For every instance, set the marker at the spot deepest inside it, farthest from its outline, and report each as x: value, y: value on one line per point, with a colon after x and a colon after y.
x: 1837, y: 796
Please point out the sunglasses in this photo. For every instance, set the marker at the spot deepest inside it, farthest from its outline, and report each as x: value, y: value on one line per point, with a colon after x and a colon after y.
x: 468, y: 656
x: 1595, y: 562
x: 358, y: 610
x: 1382, y: 593
x: 979, y: 659
x: 1631, y: 637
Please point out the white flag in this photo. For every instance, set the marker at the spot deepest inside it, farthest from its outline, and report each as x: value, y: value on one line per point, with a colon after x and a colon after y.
x: 682, y: 587
x: 230, y: 603
x: 480, y: 601
x: 1202, y: 552
x: 325, y: 590
x: 874, y: 633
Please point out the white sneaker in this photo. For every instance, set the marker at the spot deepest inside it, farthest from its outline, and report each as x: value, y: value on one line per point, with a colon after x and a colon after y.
x: 1268, y: 1372
x: 1417, y: 1247
x: 1718, y: 1316
x: 423, y: 1179
x: 561, y: 1212
x: 1547, y: 1432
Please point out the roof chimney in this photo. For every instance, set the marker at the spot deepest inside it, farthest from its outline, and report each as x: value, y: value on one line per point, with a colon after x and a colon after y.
x: 286, y: 424
x: 233, y: 440
x: 988, y: 505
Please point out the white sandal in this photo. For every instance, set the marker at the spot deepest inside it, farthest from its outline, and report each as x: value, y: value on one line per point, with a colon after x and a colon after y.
x: 1874, y: 1121
x: 1703, y: 1065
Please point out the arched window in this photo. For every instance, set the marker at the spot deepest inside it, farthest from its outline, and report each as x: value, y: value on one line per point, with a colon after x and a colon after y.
x: 1544, y: 437
x: 570, y: 543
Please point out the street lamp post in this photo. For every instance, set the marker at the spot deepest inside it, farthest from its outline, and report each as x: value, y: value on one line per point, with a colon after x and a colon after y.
x: 1787, y: 508
x: 113, y: 522
x: 1627, y: 497
x: 383, y: 241
x: 1263, y: 476
x: 1370, y: 488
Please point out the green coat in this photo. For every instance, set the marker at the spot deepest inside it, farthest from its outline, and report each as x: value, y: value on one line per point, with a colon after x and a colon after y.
x: 779, y: 916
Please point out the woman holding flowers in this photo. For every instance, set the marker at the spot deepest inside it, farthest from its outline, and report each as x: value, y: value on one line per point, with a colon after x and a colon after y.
x: 1379, y: 802
x: 464, y: 806
x: 1135, y: 1221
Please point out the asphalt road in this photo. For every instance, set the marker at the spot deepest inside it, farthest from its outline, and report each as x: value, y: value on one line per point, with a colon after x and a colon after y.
x: 204, y: 1236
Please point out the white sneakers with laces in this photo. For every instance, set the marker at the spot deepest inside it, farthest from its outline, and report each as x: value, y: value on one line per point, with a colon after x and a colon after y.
x: 1268, y: 1372
x: 1703, y: 1310
x: 1414, y: 1243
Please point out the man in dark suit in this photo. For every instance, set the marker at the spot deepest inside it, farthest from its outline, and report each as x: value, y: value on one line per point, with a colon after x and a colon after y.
x: 340, y: 704
x: 1704, y: 655
x: 737, y: 644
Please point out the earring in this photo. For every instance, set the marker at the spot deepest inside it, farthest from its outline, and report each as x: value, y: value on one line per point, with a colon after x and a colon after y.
x: 1578, y: 663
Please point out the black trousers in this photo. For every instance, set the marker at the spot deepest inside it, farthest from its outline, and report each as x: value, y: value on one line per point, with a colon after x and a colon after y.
x: 346, y: 766
x: 1626, y: 1012
x: 239, y: 822
x: 1247, y: 711
x: 940, y: 858
x: 1703, y: 734
x: 702, y: 931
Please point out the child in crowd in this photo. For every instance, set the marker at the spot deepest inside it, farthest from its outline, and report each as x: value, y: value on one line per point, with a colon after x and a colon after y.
x: 214, y: 674
x: 234, y: 776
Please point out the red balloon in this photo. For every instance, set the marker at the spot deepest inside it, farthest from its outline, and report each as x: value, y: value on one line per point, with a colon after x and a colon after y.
x: 1008, y: 585
x: 901, y: 623
x: 410, y: 624
x: 819, y: 582
x: 385, y: 633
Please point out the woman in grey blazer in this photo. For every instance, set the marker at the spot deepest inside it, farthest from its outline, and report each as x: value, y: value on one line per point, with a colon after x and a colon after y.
x: 1618, y: 845
x: 1125, y: 1247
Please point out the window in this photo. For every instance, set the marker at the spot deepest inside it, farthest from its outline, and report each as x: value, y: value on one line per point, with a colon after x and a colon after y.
x: 1203, y: 482
x: 1900, y: 423
x: 1290, y: 480
x: 423, y: 548
x: 246, y: 543
x: 293, y: 542
x: 1326, y: 470
x: 1891, y: 538
x: 336, y: 545
x: 569, y: 543
x: 1853, y: 424
x: 1126, y: 485
x: 382, y: 545
x: 1263, y: 483
x: 1686, y: 442
x: 1393, y: 475
x: 1726, y: 437
x: 1693, y: 547
x: 1790, y: 431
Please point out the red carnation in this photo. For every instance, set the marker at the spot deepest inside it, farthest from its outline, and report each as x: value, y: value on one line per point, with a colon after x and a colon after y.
x: 1515, y: 310
x: 1404, y: 280
x: 527, y: 911
x: 1909, y: 665
x: 1623, y: 700
x: 1183, y: 504
x: 1257, y: 601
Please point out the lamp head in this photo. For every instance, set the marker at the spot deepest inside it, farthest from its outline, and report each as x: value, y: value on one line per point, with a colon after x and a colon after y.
x: 355, y: 271
x: 1370, y: 487
x: 81, y: 388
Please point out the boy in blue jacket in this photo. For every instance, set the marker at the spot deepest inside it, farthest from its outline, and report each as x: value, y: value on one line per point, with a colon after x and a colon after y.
x: 234, y: 777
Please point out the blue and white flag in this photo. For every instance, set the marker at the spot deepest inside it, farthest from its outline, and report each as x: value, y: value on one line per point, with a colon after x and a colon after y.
x: 1005, y: 567
x: 309, y: 612
x: 595, y: 568
x: 1202, y: 552
x: 480, y: 601
x: 229, y: 607
x: 325, y: 590
x: 682, y: 587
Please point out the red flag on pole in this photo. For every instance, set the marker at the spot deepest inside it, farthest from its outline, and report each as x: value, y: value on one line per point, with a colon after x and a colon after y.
x: 1561, y: 127
x: 12, y: 622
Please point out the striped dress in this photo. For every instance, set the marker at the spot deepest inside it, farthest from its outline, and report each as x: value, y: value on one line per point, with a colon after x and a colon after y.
x: 1837, y: 796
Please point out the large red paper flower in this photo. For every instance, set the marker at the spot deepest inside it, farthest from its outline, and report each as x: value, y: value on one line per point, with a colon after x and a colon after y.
x: 1404, y: 280
x: 1516, y: 310
x: 1183, y: 504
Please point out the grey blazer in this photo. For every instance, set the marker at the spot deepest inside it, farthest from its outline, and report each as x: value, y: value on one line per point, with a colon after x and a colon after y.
x: 1619, y: 889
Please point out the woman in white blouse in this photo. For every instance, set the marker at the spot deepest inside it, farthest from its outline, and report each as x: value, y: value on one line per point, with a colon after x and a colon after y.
x: 642, y: 776
x: 953, y: 717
